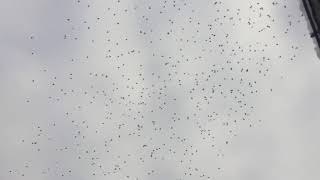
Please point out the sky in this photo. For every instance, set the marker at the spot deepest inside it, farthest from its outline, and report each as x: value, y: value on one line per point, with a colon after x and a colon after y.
x: 153, y: 90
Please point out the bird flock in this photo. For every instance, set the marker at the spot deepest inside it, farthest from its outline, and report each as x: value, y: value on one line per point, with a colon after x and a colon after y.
x: 150, y: 89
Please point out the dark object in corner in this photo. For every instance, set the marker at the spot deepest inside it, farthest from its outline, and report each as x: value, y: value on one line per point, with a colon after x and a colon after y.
x: 313, y: 11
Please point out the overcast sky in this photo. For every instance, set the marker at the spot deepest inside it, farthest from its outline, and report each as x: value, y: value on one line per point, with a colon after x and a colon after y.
x: 153, y: 90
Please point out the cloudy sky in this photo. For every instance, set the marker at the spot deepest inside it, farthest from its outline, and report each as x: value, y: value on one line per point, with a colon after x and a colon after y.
x: 153, y: 90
